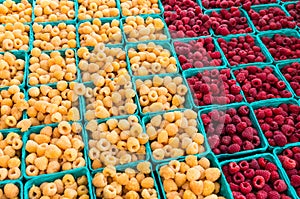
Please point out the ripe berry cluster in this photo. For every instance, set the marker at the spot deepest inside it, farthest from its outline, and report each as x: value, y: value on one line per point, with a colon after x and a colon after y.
x: 214, y: 87
x: 230, y: 131
x: 294, y: 10
x: 187, y: 23
x: 171, y: 5
x: 291, y: 73
x: 283, y: 47
x: 197, y: 53
x: 255, y: 179
x: 280, y: 125
x: 261, y: 84
x: 273, y: 18
x: 241, y: 50
x: 290, y: 160
x: 229, y: 21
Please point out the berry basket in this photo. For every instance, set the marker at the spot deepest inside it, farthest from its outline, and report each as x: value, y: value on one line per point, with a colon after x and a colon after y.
x: 87, y: 138
x: 121, y: 168
x: 193, y: 72
x: 243, y: 14
x: 23, y: 56
x: 270, y: 34
x: 165, y: 29
x: 36, y: 130
x: 18, y: 183
x: 276, y: 152
x: 146, y: 119
x: 273, y: 103
x: 187, y: 104
x: 224, y: 189
x: 52, y: 177
x: 165, y: 45
x: 282, y: 65
x: 263, y: 142
x: 268, y: 157
x: 217, y: 49
x: 275, y: 72
x: 160, y: 6
x: 62, y: 53
x: 264, y: 50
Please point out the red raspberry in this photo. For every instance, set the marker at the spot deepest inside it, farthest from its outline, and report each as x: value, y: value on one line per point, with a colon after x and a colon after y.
x: 289, y: 163
x: 261, y: 194
x: 244, y: 165
x: 238, y: 178
x: 234, y: 148
x: 295, y: 181
x: 258, y: 182
x: 264, y: 173
x: 280, y: 186
x: 249, y: 173
x: 273, y: 195
x: 234, y: 167
x: 271, y: 166
x: 280, y: 140
x: 245, y: 187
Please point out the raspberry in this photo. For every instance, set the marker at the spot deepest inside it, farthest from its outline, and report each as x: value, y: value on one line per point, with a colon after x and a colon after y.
x: 248, y: 133
x: 274, y: 176
x: 258, y: 182
x: 271, y: 166
x: 261, y: 194
x: 243, y: 110
x: 247, y: 145
x: 295, y: 181
x: 289, y: 163
x: 273, y: 195
x: 280, y: 140
x: 245, y: 187
x: 238, y: 178
x: 214, y: 141
x: 249, y: 173
x: 254, y: 164
x: 226, y: 140
x: 244, y: 165
x: 250, y: 196
x: 230, y: 129
x: 262, y: 162
x: 280, y: 186
x: 233, y: 167
x: 264, y: 173
x: 234, y: 148
x: 234, y: 187
x: 240, y: 127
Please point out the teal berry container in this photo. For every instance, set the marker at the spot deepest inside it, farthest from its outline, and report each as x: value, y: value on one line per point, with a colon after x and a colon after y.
x: 165, y: 45
x: 280, y: 68
x: 76, y: 173
x: 103, y: 21
x: 62, y: 53
x: 257, y: 43
x: 224, y: 189
x: 145, y: 17
x: 146, y: 119
x: 74, y: 20
x: 243, y: 14
x: 277, y: 151
x: 127, y: 165
x: 270, y: 34
x: 187, y: 103
x: 84, y: 103
x: 23, y: 138
x: 270, y: 158
x: 53, y: 24
x: 23, y: 56
x: 217, y: 49
x: 18, y: 183
x: 275, y: 72
x: 24, y: 114
x: 263, y: 142
x: 274, y: 103
x: 32, y: 3
x: 36, y: 130
x: 122, y: 169
x: 193, y: 72
x: 257, y: 8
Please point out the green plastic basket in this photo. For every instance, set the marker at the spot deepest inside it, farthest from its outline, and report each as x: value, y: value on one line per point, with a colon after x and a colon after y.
x: 59, y: 21
x: 224, y: 189
x: 187, y: 103
x: 165, y: 45
x: 257, y: 43
x: 263, y: 142
x: 270, y: 34
x: 193, y: 72
x: 103, y: 21
x: 273, y: 103
x: 23, y: 56
x: 83, y: 102
x: 5, y: 133
x: 52, y: 177
x: 36, y: 130
x: 276, y: 152
x: 160, y: 6
x: 18, y: 183
x: 217, y: 49
x: 87, y: 138
x: 147, y: 119
x: 268, y: 157
x: 284, y: 5
x: 281, y: 66
x: 122, y: 168
x: 62, y: 53
x: 257, y: 8
x: 165, y: 29
x: 276, y: 72
x: 243, y: 14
